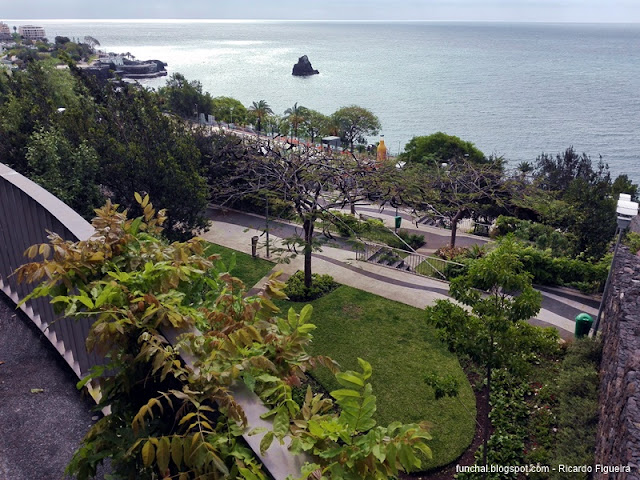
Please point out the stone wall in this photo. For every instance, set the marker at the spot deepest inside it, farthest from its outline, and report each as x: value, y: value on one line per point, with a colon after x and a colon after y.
x: 618, y: 434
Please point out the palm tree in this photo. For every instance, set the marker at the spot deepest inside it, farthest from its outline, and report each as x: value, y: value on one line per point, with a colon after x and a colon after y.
x: 525, y: 168
x: 260, y: 109
x: 294, y: 116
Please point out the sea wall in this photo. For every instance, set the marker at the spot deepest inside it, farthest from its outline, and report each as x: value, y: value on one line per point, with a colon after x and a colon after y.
x: 618, y: 434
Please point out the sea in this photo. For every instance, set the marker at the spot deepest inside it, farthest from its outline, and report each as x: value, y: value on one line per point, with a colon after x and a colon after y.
x: 512, y: 89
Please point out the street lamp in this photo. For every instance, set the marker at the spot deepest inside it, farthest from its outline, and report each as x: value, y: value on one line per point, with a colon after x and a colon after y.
x: 626, y: 210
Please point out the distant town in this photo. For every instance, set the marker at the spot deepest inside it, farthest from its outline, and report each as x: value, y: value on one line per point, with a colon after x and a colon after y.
x: 30, y: 42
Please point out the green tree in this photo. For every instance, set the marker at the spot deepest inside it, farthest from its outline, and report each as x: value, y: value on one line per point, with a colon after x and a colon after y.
x: 439, y: 148
x: 142, y: 149
x: 314, y: 123
x: 260, y: 110
x: 589, y: 194
x: 312, y: 182
x: 184, y: 97
x: 229, y: 110
x: 30, y: 101
x: 68, y: 172
x: 458, y: 190
x: 294, y: 116
x: 493, y: 332
x: 355, y: 123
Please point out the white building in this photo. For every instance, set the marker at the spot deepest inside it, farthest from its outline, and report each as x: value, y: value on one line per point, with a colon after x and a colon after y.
x: 5, y: 32
x: 31, y: 32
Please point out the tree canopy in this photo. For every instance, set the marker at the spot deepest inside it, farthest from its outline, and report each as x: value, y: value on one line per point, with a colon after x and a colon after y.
x: 78, y: 138
x: 229, y: 110
x: 439, y: 148
x: 355, y: 123
x: 184, y: 97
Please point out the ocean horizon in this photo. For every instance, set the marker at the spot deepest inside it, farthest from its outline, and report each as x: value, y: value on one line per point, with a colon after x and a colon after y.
x: 512, y: 89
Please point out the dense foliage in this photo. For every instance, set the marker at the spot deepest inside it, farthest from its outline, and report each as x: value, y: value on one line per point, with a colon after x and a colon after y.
x: 174, y: 420
x: 298, y: 292
x: 84, y: 142
x: 439, y: 148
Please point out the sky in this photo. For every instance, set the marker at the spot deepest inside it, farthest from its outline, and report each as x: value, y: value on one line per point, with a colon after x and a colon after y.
x: 582, y: 11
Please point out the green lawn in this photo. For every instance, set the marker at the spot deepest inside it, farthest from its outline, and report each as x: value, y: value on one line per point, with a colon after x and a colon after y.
x: 402, y: 349
x: 247, y: 269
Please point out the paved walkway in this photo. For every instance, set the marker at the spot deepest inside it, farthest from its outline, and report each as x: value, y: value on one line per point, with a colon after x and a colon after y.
x: 43, y: 417
x: 234, y: 229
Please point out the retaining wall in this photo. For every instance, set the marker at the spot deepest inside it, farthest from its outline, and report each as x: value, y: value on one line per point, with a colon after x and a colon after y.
x: 618, y: 434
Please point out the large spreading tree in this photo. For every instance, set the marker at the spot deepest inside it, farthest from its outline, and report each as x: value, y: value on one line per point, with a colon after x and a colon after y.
x: 312, y: 182
x: 354, y: 123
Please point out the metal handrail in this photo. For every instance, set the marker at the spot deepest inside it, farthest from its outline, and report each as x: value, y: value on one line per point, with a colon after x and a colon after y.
x: 412, y: 262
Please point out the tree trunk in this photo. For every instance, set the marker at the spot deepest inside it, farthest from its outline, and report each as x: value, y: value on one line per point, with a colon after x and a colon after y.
x: 353, y: 206
x: 308, y: 239
x: 454, y: 227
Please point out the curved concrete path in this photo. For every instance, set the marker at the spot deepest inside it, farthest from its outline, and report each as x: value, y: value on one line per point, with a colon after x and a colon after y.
x: 234, y: 229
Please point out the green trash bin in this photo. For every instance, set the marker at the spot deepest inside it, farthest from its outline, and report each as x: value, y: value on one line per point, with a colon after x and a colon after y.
x: 398, y: 221
x: 583, y: 325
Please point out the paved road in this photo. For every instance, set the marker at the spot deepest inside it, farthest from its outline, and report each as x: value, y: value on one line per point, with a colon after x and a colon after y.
x: 234, y: 229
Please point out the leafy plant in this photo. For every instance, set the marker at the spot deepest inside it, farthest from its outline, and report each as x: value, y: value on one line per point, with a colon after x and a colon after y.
x: 351, y: 446
x: 296, y: 290
x: 169, y: 419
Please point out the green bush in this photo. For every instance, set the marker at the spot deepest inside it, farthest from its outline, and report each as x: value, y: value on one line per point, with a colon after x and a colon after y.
x: 414, y: 240
x: 452, y: 270
x: 542, y: 236
x: 547, y: 269
x: 348, y: 224
x: 320, y: 286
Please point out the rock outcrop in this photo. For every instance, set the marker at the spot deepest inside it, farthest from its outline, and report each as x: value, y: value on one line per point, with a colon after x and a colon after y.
x: 303, y: 68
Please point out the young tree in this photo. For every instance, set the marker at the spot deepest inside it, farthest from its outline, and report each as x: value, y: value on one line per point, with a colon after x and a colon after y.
x: 355, y: 123
x: 260, y: 110
x: 494, y: 333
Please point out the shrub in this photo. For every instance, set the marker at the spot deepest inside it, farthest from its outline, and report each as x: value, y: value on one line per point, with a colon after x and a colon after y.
x: 414, y: 240
x: 543, y: 236
x: 347, y: 224
x: 563, y: 271
x: 320, y: 286
x: 449, y: 253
